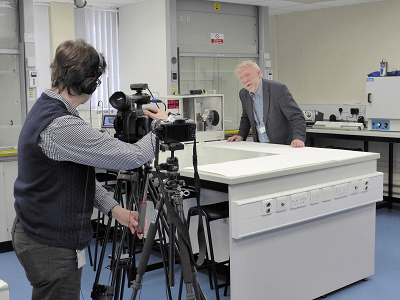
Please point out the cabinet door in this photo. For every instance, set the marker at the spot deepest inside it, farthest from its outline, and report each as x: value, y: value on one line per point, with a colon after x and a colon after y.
x: 384, y: 97
x: 10, y: 175
x: 3, y: 214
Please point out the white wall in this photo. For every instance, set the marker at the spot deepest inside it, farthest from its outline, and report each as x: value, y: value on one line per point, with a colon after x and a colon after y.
x: 324, y: 55
x: 42, y: 46
x: 143, y: 46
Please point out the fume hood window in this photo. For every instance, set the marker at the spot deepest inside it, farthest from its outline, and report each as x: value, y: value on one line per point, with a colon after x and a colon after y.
x: 214, y: 75
x: 9, y: 32
x: 10, y: 113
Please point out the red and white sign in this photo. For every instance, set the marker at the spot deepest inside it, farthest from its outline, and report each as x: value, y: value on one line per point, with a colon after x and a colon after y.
x: 217, y: 38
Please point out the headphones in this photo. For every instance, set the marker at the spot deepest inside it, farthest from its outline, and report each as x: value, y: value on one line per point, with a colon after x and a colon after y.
x: 89, y: 85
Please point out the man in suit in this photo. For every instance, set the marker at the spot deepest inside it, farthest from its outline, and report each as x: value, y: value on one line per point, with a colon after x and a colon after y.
x: 268, y: 109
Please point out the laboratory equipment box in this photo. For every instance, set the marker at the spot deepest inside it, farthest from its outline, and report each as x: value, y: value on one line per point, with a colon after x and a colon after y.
x: 383, y: 103
x: 207, y: 111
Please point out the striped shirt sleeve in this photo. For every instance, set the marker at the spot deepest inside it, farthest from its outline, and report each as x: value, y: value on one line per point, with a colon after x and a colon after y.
x: 69, y: 138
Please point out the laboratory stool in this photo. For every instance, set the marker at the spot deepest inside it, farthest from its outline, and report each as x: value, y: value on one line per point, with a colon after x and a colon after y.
x: 4, y: 292
x: 209, y: 213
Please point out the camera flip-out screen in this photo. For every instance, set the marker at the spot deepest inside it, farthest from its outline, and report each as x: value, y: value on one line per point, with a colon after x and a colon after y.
x: 108, y: 121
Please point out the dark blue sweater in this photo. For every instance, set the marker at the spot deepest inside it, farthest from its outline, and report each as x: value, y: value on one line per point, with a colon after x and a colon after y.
x: 53, y: 200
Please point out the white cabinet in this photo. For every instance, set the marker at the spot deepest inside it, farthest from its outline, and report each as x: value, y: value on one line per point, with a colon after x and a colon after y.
x: 8, y: 174
x: 383, y: 98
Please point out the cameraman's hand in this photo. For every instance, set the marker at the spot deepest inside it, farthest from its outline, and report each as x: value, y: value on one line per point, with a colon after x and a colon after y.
x: 127, y: 218
x: 155, y: 113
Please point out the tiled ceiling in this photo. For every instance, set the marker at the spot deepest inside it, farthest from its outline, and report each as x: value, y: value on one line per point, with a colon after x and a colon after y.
x: 276, y: 7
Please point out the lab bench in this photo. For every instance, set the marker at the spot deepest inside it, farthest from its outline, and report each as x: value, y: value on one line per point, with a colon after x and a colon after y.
x: 386, y: 137
x: 302, y: 220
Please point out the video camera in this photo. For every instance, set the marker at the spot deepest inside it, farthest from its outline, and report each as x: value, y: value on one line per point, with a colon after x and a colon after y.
x: 130, y: 124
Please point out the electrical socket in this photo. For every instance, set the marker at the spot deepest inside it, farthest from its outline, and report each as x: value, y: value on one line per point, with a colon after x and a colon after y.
x: 298, y: 200
x: 341, y: 190
x: 266, y: 207
x: 364, y: 186
x: 282, y: 203
x: 315, y: 196
x: 327, y: 193
x: 354, y: 111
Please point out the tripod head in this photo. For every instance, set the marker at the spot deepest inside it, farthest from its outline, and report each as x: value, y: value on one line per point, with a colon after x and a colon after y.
x: 171, y: 166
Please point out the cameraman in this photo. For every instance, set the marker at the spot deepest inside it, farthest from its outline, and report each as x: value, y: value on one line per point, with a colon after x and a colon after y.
x: 56, y: 189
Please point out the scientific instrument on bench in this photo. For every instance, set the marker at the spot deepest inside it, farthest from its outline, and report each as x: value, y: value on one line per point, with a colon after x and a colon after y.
x: 206, y: 110
x: 351, y: 126
x: 312, y: 116
x: 383, y: 103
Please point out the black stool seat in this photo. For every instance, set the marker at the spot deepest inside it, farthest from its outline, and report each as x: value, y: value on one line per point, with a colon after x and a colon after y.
x: 213, y: 211
x: 209, y: 213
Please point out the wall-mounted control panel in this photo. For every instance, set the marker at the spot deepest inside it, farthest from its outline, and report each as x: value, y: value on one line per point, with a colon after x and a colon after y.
x: 33, y: 79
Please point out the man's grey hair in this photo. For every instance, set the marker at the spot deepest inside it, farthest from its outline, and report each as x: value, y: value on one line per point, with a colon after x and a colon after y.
x: 245, y: 64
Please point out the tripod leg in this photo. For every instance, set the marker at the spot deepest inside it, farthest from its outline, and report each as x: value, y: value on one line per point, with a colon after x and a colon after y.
x: 197, y: 286
x: 97, y: 240
x: 180, y: 288
x: 188, y: 271
x: 101, y: 291
x: 123, y: 284
x: 148, y: 245
x: 171, y: 256
x: 103, y: 249
x: 117, y: 283
x: 90, y: 256
x: 162, y: 241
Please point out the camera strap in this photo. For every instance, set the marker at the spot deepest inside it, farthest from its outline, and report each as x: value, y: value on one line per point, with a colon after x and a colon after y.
x: 201, y: 237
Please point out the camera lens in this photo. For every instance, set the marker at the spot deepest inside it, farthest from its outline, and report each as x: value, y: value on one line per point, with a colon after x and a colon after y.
x: 120, y: 101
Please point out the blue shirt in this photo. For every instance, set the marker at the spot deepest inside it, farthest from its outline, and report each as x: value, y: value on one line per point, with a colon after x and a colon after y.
x: 258, y: 113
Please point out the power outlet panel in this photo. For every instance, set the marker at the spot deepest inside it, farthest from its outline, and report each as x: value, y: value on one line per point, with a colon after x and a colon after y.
x: 315, y: 196
x: 282, y: 203
x: 327, y: 193
x: 341, y: 190
x: 298, y: 200
x: 266, y: 207
x: 287, y: 207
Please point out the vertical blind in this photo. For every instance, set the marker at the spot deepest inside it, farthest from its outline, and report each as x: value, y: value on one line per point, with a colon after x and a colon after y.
x: 100, y: 29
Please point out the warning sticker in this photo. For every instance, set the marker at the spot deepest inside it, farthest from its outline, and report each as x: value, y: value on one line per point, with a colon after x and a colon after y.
x: 217, y: 38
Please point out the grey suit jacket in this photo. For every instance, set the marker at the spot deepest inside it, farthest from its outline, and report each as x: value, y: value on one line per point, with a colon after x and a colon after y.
x: 284, y: 119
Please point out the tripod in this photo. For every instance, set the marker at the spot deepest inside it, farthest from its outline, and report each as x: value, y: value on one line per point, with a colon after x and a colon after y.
x: 137, y: 186
x: 170, y: 196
